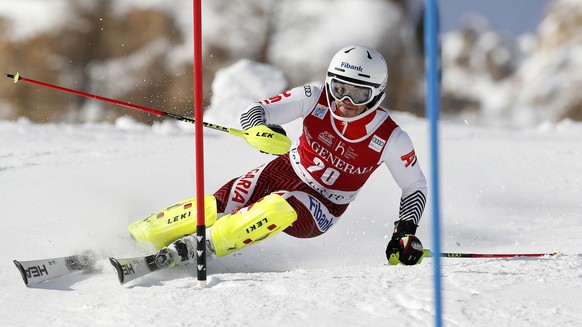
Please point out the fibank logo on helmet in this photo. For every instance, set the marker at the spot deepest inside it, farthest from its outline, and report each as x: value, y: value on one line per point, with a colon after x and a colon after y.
x: 352, y: 67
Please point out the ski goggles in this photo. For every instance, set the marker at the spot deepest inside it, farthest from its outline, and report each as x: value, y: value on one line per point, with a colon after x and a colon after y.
x: 358, y: 94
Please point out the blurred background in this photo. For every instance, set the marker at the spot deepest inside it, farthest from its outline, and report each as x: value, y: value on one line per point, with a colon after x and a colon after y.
x: 507, y: 63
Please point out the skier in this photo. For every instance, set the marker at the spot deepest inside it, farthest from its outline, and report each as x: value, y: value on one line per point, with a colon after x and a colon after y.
x: 346, y: 136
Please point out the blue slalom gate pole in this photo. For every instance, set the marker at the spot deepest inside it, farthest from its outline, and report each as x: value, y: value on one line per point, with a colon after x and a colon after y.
x: 431, y: 53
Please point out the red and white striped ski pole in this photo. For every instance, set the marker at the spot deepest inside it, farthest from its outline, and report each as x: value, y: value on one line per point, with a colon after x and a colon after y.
x: 16, y: 77
x: 260, y: 137
x: 428, y: 253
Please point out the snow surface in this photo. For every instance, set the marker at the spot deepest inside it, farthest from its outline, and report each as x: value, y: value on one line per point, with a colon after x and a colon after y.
x: 67, y: 188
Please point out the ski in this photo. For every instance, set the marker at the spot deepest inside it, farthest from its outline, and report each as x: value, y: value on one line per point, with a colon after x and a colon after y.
x: 38, y: 271
x: 129, y: 269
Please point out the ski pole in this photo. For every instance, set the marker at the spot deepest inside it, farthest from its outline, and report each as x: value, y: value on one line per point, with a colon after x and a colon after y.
x: 260, y: 137
x: 428, y: 253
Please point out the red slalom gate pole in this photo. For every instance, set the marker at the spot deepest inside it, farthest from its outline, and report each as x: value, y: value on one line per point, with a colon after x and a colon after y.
x: 198, y: 113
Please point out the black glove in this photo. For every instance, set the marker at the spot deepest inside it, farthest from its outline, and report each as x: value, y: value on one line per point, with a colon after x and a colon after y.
x: 276, y: 129
x: 404, y: 247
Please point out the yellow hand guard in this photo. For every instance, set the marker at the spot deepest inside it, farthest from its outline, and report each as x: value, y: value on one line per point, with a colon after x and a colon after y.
x: 265, y: 139
x: 252, y: 224
x: 166, y: 226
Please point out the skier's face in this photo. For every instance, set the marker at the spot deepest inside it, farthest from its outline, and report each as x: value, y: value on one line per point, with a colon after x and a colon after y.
x: 347, y: 109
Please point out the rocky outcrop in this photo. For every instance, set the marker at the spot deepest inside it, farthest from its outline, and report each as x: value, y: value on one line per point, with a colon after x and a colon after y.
x: 548, y: 84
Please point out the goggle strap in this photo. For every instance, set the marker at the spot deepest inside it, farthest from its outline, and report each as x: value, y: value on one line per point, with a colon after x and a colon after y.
x: 352, y: 80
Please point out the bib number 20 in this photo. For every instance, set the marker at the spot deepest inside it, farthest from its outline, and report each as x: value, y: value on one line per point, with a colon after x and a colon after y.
x: 329, y: 175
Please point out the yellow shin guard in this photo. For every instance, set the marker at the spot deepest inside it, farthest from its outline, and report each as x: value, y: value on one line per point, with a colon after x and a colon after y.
x: 164, y: 227
x: 252, y: 224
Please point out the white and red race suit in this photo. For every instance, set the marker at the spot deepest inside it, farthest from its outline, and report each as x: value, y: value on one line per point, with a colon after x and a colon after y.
x: 329, y: 163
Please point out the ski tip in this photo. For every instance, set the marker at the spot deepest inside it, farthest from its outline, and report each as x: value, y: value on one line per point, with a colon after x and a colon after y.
x: 22, y: 272
x: 118, y: 269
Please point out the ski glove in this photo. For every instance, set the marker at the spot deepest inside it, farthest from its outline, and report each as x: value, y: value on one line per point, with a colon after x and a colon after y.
x: 404, y: 247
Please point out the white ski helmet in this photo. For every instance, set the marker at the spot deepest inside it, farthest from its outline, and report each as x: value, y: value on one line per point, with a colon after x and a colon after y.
x: 361, y: 74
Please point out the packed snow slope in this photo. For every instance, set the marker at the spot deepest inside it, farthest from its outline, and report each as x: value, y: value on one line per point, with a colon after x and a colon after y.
x: 66, y: 188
